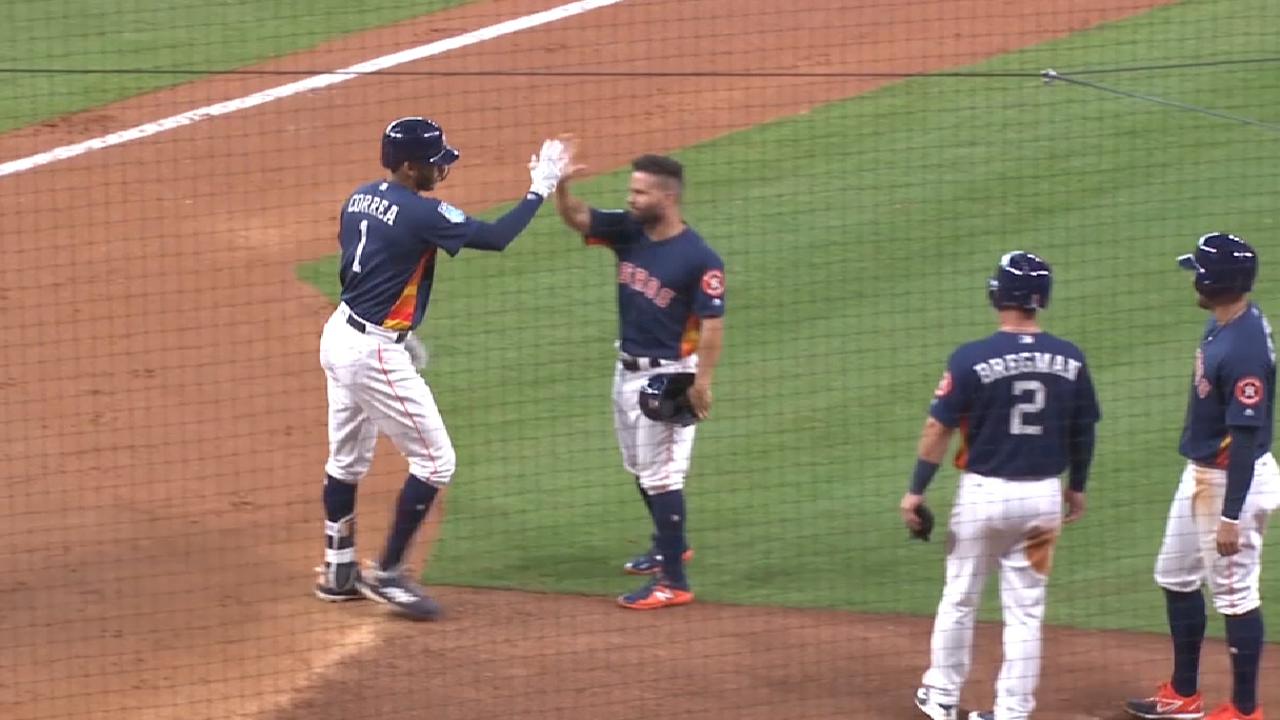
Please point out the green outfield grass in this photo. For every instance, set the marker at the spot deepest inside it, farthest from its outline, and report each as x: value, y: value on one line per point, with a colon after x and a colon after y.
x: 155, y: 35
x: 857, y: 239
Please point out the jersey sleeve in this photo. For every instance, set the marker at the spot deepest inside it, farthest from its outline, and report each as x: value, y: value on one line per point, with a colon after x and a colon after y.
x: 708, y: 293
x: 446, y: 227
x: 1245, y: 376
x: 608, y: 228
x: 1087, y: 411
x: 953, y: 398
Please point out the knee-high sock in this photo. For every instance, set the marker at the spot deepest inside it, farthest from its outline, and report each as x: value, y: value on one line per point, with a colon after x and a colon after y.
x: 411, y: 509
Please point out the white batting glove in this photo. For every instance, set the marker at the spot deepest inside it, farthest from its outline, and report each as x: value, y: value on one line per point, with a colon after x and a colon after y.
x: 546, y: 168
x: 417, y: 351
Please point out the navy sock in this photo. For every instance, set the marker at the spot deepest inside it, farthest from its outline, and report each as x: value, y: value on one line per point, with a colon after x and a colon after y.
x: 411, y: 509
x: 668, y: 515
x: 339, y: 532
x: 1244, y: 638
x: 339, y: 499
x: 1187, y: 623
x: 648, y: 501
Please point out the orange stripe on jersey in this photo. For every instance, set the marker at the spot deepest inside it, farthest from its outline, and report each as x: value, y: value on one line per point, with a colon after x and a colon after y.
x: 962, y: 452
x: 692, y: 334
x: 595, y: 241
x: 401, y: 315
x: 1224, y: 453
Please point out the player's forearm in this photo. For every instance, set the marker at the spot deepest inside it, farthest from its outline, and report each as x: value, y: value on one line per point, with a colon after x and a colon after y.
x: 502, y: 232
x: 573, y: 211
x: 1244, y: 441
x: 1082, y: 442
x: 710, y: 341
x: 934, y: 439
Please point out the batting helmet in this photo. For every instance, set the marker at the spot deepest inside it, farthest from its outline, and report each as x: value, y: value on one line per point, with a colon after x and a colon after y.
x: 665, y: 398
x: 1021, y: 280
x: 415, y: 139
x: 1224, y: 265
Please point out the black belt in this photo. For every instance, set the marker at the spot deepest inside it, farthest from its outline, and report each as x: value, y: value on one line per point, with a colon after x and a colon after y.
x: 359, y: 325
x: 633, y: 364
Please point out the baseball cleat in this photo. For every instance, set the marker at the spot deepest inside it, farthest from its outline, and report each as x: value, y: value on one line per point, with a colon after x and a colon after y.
x: 332, y: 594
x: 650, y: 562
x: 982, y: 715
x: 658, y: 593
x: 402, y: 594
x: 1228, y: 711
x: 338, y: 585
x: 932, y: 708
x: 1167, y: 703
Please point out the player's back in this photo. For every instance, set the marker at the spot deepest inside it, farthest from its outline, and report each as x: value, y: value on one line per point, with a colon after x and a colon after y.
x: 388, y: 235
x: 376, y: 235
x: 1019, y: 396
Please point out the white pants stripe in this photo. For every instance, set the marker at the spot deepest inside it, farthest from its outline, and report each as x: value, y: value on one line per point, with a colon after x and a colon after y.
x: 1013, y: 526
x: 657, y: 453
x: 1189, y: 551
x: 373, y: 386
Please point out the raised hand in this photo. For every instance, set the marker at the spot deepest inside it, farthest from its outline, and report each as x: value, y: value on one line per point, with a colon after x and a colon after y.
x: 573, y: 168
x: 547, y: 167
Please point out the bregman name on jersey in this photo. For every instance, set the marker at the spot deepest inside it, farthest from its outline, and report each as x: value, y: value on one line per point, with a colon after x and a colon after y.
x: 1027, y: 362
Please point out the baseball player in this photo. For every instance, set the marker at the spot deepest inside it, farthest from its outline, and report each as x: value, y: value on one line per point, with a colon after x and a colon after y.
x: 671, y: 295
x: 390, y: 234
x: 1228, y: 489
x: 1026, y: 409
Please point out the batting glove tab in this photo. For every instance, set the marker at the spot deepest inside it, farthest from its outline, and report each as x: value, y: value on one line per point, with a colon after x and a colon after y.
x: 417, y: 351
x: 547, y: 167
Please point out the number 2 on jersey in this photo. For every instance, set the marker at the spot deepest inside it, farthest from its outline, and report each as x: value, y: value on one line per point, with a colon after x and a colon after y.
x: 1017, y: 414
x: 364, y: 238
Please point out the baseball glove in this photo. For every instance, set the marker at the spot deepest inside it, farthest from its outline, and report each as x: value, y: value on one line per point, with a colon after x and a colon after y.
x: 926, y: 523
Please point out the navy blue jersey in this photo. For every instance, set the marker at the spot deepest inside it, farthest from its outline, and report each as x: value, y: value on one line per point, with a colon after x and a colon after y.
x: 1015, y: 398
x: 1234, y: 384
x: 389, y: 237
x: 665, y: 288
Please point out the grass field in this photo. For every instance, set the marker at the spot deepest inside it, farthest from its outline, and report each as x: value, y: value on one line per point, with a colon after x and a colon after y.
x: 854, y: 265
x: 155, y: 35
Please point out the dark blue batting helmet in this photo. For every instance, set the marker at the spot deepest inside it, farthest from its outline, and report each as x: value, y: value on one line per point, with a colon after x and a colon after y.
x: 1021, y: 280
x: 415, y: 139
x: 1224, y: 265
x: 665, y: 398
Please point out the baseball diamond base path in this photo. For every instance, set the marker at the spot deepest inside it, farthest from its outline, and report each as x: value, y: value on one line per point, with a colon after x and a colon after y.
x: 164, y: 410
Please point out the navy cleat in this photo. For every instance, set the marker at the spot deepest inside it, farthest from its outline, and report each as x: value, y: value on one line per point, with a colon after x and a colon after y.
x: 650, y: 562
x: 933, y: 708
x: 404, y: 596
x: 337, y: 582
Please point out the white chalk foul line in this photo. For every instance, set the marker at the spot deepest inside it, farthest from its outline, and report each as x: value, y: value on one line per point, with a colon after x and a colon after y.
x: 314, y: 82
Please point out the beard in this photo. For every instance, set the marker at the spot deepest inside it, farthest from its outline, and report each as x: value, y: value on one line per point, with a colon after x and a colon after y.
x: 425, y: 182
x: 645, y: 217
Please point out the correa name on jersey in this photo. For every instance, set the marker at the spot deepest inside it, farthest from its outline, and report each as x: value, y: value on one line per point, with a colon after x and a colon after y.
x: 1012, y: 364
x: 381, y: 208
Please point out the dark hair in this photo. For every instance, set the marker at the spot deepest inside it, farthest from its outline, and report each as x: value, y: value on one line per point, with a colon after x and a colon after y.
x: 660, y: 165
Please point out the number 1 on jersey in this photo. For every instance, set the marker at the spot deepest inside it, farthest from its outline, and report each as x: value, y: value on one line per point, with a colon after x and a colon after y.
x: 364, y: 238
x: 1017, y: 422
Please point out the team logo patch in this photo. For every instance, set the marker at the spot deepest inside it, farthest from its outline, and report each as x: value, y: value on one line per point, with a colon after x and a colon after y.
x: 1249, y: 391
x: 944, y: 385
x: 713, y: 283
x: 451, y: 213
